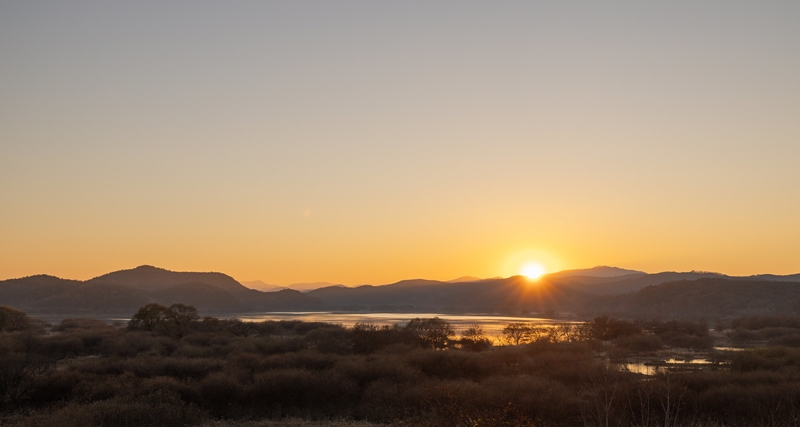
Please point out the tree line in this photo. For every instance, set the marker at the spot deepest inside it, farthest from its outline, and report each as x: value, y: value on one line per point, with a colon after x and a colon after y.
x: 169, y: 367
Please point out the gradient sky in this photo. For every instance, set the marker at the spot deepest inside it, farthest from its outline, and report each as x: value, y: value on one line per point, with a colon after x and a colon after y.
x: 369, y: 142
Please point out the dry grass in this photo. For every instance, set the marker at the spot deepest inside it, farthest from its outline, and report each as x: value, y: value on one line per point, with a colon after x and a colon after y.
x: 295, y: 422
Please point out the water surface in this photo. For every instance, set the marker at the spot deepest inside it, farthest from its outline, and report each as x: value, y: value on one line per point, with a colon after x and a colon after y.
x: 492, y: 324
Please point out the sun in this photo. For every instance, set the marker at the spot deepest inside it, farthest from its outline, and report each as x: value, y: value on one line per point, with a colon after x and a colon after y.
x: 532, y: 270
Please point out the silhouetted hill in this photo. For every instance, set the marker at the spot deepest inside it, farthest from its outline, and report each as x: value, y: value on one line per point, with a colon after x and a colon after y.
x: 773, y: 277
x: 556, y: 292
x: 512, y: 295
x: 261, y: 286
x: 47, y: 294
x: 153, y: 278
x: 634, y: 282
x: 205, y: 297
x: 122, y: 293
x: 704, y: 298
x: 626, y: 283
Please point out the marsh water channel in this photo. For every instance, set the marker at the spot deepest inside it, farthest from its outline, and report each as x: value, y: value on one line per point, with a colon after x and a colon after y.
x: 672, y: 359
x: 680, y: 360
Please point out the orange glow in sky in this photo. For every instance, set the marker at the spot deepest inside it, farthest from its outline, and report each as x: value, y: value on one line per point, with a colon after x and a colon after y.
x: 373, y: 142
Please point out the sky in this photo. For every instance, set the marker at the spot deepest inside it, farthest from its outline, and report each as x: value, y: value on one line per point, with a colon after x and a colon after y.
x: 370, y: 142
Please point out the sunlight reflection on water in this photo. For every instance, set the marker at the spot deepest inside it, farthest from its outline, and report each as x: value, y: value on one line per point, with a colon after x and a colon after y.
x: 492, y: 325
x: 652, y: 368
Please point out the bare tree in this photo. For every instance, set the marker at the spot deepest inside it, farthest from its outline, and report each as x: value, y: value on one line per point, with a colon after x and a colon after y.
x: 149, y: 317
x: 600, y: 392
x: 640, y: 405
x: 517, y: 333
x: 431, y: 333
x: 20, y: 367
x: 174, y: 320
x: 562, y: 332
x: 13, y: 320
x: 473, y: 338
x: 670, y: 397
x: 179, y: 318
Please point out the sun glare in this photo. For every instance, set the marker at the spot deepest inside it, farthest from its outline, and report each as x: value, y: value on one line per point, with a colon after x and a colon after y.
x: 532, y: 270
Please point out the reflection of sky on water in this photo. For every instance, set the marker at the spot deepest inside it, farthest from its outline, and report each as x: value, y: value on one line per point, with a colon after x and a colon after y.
x: 639, y: 368
x: 652, y: 369
x: 492, y: 325
x: 729, y: 348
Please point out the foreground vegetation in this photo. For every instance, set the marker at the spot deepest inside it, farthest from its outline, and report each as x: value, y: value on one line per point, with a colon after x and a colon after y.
x: 167, y: 367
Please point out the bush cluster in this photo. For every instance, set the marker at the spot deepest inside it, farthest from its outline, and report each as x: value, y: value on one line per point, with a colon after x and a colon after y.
x: 84, y: 372
x: 769, y: 330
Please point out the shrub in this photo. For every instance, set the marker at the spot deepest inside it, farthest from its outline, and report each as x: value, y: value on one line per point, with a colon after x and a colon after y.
x: 302, y: 392
x: 332, y: 339
x: 219, y: 392
x: 160, y: 409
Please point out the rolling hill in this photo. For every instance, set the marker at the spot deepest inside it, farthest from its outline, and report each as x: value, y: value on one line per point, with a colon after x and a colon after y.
x: 121, y: 293
x: 709, y: 297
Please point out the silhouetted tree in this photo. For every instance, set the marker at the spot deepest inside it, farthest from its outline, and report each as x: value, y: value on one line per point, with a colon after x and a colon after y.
x: 474, y: 339
x: 174, y: 320
x: 13, y: 320
x: 670, y: 394
x: 517, y: 333
x: 430, y: 333
x: 148, y: 318
x: 20, y: 366
x: 179, y: 318
x: 600, y: 394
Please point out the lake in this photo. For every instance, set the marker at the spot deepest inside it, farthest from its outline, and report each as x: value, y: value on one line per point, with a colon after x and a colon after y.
x: 492, y: 325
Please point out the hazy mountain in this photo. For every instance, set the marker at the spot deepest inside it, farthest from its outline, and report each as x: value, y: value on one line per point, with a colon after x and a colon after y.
x: 261, y: 286
x: 305, y: 287
x: 599, y: 271
x: 302, y: 287
x: 465, y: 279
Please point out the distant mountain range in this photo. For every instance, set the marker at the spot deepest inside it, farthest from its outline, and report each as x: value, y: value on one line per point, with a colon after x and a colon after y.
x: 302, y: 287
x: 599, y: 271
x: 587, y: 292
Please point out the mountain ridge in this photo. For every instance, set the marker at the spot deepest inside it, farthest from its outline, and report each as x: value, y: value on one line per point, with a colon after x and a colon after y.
x: 610, y: 289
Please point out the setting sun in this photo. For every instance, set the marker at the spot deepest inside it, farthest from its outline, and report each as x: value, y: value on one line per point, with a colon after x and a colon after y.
x: 532, y: 270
